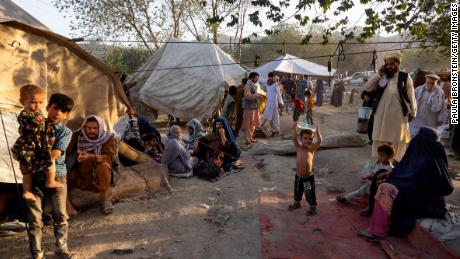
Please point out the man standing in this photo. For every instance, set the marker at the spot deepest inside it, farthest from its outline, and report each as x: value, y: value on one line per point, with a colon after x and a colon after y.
x: 94, y: 150
x: 394, y: 107
x: 290, y: 86
x: 59, y: 107
x: 239, y: 105
x: 302, y: 86
x: 319, y: 92
x: 430, y: 104
x: 251, y: 107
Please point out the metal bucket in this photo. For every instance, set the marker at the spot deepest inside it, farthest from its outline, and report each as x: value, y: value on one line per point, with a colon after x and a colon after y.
x: 364, y: 113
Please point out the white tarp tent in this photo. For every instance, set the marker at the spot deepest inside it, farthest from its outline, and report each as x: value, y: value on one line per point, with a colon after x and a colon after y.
x: 185, y: 79
x: 294, y: 65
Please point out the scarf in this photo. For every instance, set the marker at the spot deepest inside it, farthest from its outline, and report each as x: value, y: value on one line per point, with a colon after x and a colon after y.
x: 195, y: 124
x: 85, y: 144
x: 175, y: 148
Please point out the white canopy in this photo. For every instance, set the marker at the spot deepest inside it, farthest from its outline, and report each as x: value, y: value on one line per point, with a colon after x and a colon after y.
x: 186, y: 79
x: 294, y: 65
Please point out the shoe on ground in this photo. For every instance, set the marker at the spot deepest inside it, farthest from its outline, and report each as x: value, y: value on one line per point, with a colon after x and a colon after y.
x: 342, y: 199
x: 294, y: 206
x: 65, y: 254
x: 365, y: 212
x: 311, y: 211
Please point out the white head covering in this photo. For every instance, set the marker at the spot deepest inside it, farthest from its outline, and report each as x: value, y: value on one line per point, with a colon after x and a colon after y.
x: 393, y: 55
x: 86, y: 144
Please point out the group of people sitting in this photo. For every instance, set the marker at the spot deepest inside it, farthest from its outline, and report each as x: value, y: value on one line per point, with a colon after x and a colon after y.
x: 200, y: 153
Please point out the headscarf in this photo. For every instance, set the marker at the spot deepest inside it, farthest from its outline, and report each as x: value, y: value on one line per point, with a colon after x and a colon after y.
x: 198, y: 131
x: 85, y: 144
x: 423, y: 171
x: 175, y: 148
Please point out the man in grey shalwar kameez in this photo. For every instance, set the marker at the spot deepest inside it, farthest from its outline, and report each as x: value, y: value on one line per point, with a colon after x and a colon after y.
x: 176, y: 157
x: 431, y: 105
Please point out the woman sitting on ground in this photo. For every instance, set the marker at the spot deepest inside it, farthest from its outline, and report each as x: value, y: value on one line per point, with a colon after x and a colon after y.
x: 415, y: 189
x: 195, y: 131
x: 136, y: 129
x: 175, y: 156
x: 216, y: 150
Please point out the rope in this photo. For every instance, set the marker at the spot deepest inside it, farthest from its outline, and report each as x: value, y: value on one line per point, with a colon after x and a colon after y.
x: 25, y: 215
x: 342, y: 55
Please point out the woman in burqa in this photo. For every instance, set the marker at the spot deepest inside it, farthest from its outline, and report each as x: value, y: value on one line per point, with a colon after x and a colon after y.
x: 175, y: 156
x: 217, y: 150
x: 415, y: 189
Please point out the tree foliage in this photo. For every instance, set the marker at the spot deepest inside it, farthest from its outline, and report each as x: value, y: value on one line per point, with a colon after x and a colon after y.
x: 127, y: 60
x: 156, y: 21
x: 425, y: 20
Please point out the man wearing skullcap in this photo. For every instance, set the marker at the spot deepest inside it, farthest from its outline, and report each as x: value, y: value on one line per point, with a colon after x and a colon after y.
x: 394, y: 107
x: 430, y: 104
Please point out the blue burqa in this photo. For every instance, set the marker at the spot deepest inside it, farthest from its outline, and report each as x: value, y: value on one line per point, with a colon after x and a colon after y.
x: 422, y: 180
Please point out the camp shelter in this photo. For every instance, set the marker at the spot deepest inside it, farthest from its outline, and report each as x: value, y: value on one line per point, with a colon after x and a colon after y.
x: 185, y: 79
x: 31, y: 54
x: 293, y: 65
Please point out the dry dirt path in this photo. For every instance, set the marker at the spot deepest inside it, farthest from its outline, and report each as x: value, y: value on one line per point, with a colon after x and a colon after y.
x: 209, y: 220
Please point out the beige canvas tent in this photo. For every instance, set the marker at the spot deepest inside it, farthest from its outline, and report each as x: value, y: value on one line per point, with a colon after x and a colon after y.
x: 185, y: 79
x: 31, y: 54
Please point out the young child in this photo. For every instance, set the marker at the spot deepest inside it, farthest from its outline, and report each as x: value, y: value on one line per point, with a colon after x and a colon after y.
x: 304, y: 179
x: 310, y: 106
x: 385, y: 155
x: 299, y: 107
x: 153, y: 146
x: 32, y: 148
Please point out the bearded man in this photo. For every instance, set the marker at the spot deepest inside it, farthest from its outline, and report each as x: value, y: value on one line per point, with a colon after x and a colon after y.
x: 430, y: 104
x: 94, y: 149
x: 394, y: 107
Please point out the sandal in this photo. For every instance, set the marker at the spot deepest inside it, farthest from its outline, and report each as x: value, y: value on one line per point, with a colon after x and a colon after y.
x: 294, y: 206
x: 366, y: 235
x: 311, y: 211
x: 341, y: 199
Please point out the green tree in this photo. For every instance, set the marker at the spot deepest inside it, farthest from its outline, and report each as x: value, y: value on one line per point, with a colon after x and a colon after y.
x: 128, y: 59
x: 425, y: 20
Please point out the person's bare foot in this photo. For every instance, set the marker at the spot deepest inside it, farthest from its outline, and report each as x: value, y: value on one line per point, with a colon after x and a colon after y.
x: 254, y: 141
x: 29, y: 196
x: 54, y: 184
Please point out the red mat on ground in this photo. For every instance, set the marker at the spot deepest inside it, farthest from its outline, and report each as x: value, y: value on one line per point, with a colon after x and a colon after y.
x: 332, y: 233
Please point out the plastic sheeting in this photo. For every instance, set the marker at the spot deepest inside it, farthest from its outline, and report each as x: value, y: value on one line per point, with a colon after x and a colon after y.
x: 294, y: 65
x: 186, y: 79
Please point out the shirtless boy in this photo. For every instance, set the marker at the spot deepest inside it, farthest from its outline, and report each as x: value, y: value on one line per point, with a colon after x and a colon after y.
x: 304, y: 179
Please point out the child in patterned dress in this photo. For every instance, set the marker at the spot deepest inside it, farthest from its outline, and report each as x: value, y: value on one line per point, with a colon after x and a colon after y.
x: 32, y: 148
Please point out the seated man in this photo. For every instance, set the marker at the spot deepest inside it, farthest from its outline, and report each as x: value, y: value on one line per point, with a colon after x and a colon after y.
x: 93, y: 148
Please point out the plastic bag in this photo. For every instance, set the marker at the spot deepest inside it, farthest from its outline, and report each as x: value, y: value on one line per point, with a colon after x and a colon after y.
x: 367, y: 169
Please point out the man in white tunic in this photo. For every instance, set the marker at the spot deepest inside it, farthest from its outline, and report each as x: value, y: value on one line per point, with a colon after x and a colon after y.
x: 430, y: 104
x: 395, y: 106
x: 271, y: 112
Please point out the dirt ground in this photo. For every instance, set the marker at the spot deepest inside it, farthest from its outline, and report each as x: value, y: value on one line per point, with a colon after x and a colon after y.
x: 213, y: 220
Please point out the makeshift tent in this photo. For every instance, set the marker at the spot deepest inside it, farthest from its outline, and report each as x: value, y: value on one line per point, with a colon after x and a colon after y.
x: 185, y: 79
x: 293, y: 65
x: 31, y: 54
